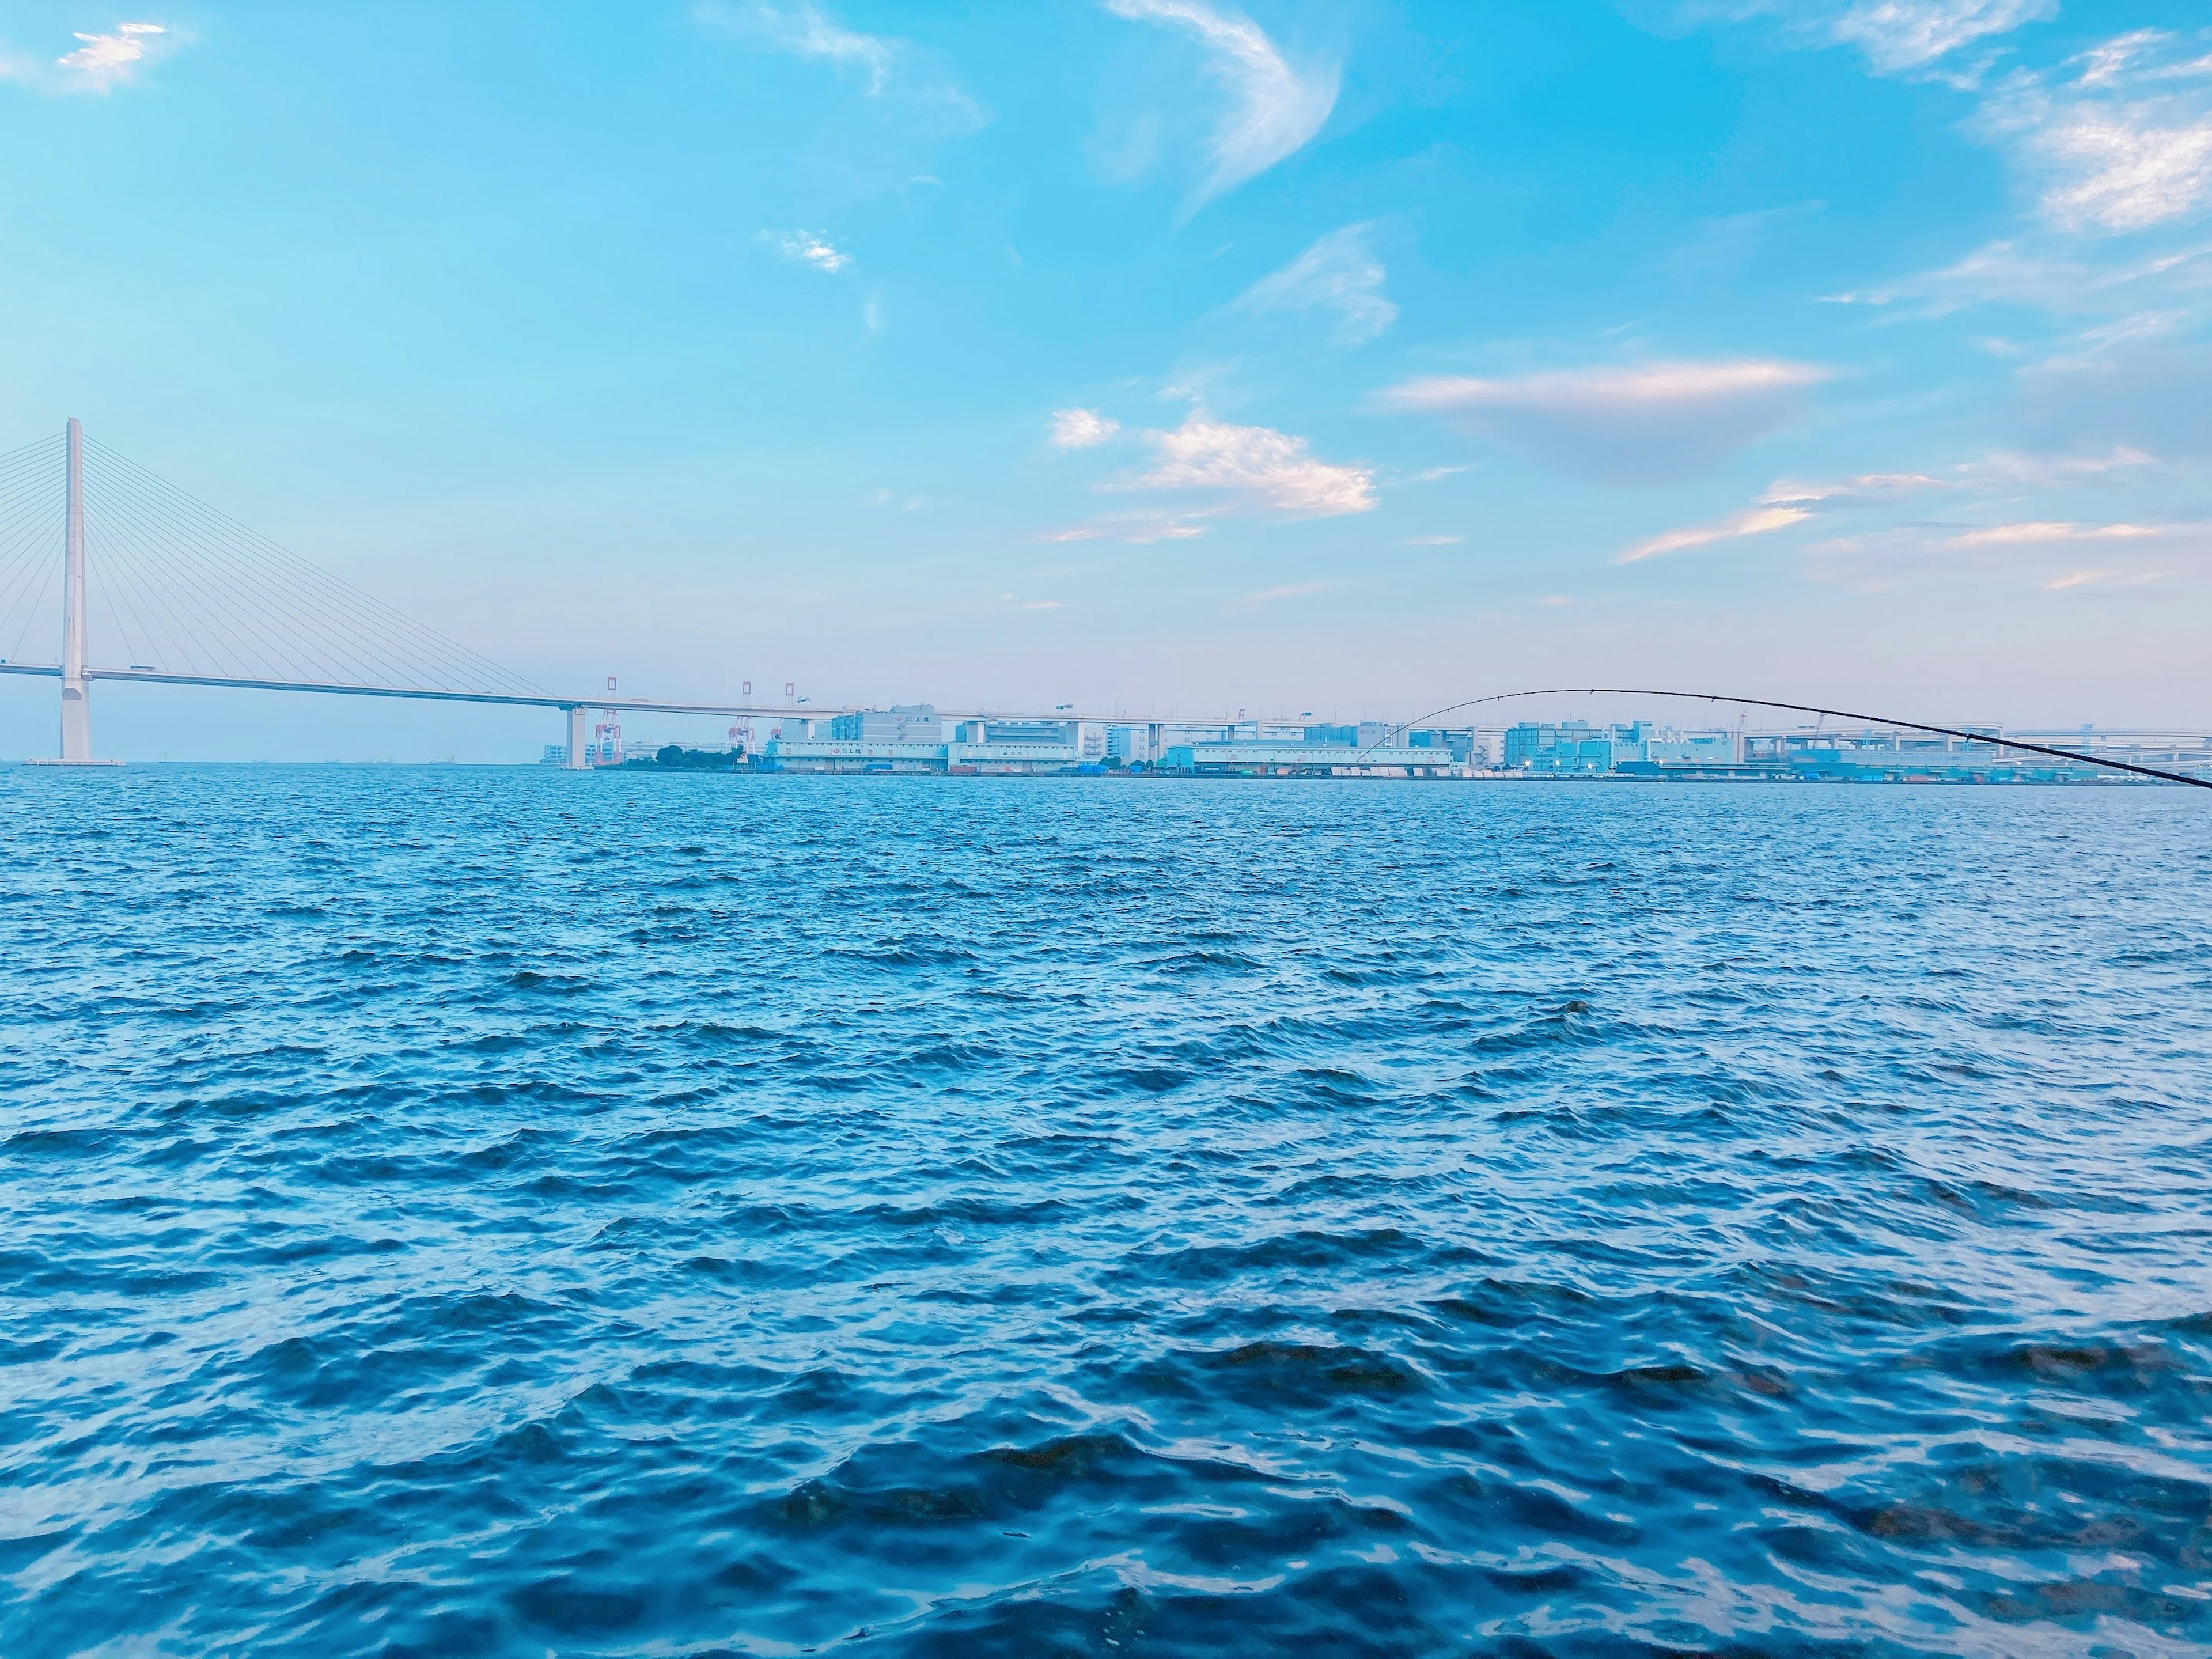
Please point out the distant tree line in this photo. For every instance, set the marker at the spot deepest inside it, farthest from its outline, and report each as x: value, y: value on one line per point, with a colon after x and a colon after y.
x: 675, y: 755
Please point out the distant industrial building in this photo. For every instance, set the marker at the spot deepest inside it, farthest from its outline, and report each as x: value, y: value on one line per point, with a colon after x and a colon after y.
x: 1568, y: 746
x: 1130, y: 744
x: 1571, y: 747
x: 911, y: 738
x: 1022, y: 732
x: 901, y: 723
x: 1871, y: 754
x: 1261, y: 758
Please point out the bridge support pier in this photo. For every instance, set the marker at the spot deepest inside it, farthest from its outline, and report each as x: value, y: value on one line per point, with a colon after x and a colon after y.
x: 577, y: 760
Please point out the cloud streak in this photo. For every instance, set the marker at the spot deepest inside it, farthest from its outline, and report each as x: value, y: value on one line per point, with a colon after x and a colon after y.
x: 1271, y: 595
x: 1897, y: 37
x: 2039, y: 532
x: 1752, y: 521
x: 1629, y: 426
x: 1139, y: 529
x: 1902, y: 35
x: 2042, y: 553
x: 1880, y: 553
x: 2104, y: 578
x: 1337, y: 273
x: 887, y: 68
x: 1275, y: 109
x: 1866, y: 489
x: 804, y: 32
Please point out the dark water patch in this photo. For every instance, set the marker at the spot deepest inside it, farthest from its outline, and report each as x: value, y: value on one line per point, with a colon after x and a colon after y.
x: 1306, y: 1250
x: 1311, y: 1373
x: 1142, y: 1080
x: 549, y: 984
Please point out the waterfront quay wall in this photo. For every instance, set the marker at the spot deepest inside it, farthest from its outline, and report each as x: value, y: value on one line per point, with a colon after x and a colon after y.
x: 1308, y: 760
x: 1250, y: 759
x: 958, y: 759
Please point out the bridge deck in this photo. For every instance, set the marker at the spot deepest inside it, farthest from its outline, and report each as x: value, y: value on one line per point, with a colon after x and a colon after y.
x: 608, y: 700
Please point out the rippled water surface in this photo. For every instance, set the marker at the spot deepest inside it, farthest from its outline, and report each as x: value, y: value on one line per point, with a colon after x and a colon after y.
x: 503, y: 1212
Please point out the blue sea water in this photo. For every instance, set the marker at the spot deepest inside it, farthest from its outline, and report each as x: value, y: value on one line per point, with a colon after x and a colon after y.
x: 452, y: 1211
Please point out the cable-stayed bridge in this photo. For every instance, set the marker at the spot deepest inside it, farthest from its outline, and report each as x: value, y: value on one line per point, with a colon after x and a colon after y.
x: 183, y: 594
x: 189, y: 596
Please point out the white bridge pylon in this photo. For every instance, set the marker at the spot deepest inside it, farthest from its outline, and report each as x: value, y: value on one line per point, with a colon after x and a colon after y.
x: 76, y: 706
x: 192, y: 597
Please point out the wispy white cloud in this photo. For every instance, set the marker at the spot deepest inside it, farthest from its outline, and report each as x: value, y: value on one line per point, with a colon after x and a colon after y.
x: 2049, y: 530
x: 2143, y: 394
x: 1275, y: 108
x: 2004, y: 471
x: 1898, y: 37
x: 1232, y: 472
x: 884, y: 64
x: 1880, y: 547
x: 2109, y: 150
x: 1638, y: 425
x: 2112, y: 153
x: 1255, y: 468
x: 2040, y: 553
x: 1080, y: 428
x: 804, y: 30
x: 2104, y: 578
x: 2126, y: 168
x: 2103, y: 64
x: 1337, y: 273
x: 103, y: 61
x: 1724, y: 246
x: 2125, y: 145
x: 1140, y: 528
x: 1752, y: 521
x: 1433, y: 541
x: 1901, y: 35
x: 1270, y: 595
x: 99, y: 62
x: 2009, y: 468
x: 807, y: 247
x: 2040, y: 277
x: 1866, y: 489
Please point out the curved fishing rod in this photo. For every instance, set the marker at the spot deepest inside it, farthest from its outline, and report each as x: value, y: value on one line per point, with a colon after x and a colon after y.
x: 1799, y: 708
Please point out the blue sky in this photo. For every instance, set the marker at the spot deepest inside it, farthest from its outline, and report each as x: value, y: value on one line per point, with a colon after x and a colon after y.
x: 1153, y: 354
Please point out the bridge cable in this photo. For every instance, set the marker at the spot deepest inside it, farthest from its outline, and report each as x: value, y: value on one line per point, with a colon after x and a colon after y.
x: 279, y: 628
x: 374, y: 638
x: 275, y: 638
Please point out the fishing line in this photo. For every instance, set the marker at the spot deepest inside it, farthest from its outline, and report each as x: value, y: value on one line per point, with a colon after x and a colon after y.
x: 1799, y: 708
